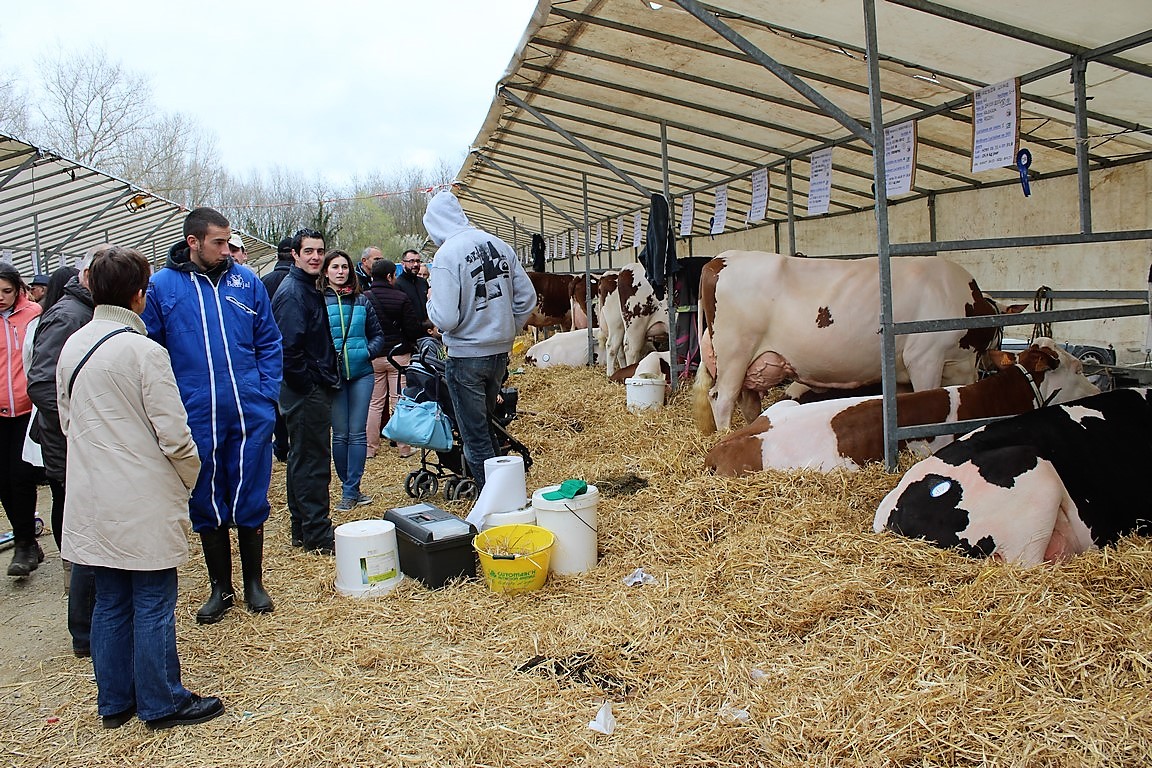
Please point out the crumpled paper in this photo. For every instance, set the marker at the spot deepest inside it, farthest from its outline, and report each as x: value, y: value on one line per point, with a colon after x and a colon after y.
x: 734, y: 714
x: 605, y: 722
x: 639, y: 577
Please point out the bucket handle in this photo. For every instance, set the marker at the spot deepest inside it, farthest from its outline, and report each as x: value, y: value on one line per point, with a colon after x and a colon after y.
x: 576, y: 515
x: 500, y: 557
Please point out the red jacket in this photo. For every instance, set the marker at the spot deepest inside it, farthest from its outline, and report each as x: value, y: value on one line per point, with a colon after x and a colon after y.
x: 13, y: 332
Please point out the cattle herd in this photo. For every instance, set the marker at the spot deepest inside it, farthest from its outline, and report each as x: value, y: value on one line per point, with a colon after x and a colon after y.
x: 1050, y: 480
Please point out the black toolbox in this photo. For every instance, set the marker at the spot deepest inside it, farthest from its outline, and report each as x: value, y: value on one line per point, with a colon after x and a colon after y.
x: 434, y: 546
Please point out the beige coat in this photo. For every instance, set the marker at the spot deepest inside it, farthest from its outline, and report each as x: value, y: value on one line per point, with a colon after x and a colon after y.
x: 131, y: 458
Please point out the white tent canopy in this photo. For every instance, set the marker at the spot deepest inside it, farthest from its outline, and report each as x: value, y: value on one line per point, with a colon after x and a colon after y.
x: 53, y: 209
x: 595, y: 83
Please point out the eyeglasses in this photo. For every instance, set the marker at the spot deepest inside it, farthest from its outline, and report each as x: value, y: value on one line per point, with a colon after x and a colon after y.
x: 411, y: 261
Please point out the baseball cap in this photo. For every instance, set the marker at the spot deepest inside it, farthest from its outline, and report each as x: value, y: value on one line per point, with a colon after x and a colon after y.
x: 236, y: 241
x: 40, y: 280
x: 285, y: 246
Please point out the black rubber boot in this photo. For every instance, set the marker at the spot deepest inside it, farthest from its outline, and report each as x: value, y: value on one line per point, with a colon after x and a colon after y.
x: 26, y: 558
x: 251, y: 545
x: 218, y: 558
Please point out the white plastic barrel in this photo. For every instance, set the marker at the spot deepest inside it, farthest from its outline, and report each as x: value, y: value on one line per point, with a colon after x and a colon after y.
x: 573, y: 523
x: 367, y: 563
x: 645, y: 393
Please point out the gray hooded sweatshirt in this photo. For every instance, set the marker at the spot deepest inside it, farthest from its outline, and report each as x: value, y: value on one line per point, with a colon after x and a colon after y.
x: 480, y: 295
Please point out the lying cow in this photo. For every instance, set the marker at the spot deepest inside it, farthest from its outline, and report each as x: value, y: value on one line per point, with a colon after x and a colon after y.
x: 565, y: 348
x: 1043, y: 485
x: 849, y: 432
x: 767, y: 318
x: 652, y: 366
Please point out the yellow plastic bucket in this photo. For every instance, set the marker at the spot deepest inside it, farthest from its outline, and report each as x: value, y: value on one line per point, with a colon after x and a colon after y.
x: 514, y: 558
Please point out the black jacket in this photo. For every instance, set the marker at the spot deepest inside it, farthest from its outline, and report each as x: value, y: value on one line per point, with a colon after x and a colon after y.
x: 61, y: 320
x: 273, y: 279
x: 397, y: 318
x: 302, y: 314
x: 417, y: 290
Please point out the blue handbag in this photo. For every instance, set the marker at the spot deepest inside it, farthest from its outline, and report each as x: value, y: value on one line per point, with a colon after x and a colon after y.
x: 423, y: 425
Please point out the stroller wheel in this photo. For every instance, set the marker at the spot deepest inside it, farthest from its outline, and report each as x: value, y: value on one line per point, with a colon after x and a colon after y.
x: 463, y: 490
x: 421, y: 484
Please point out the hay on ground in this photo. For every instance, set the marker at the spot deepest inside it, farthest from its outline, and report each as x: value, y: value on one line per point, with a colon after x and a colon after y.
x: 781, y: 631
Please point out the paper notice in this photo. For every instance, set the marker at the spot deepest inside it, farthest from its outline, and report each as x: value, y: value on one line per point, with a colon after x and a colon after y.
x: 759, y: 195
x: 820, y: 181
x: 900, y: 158
x: 687, y: 214
x: 994, y: 125
x: 720, y: 212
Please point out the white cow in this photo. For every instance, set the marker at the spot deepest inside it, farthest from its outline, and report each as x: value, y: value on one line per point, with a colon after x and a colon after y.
x: 565, y: 348
x: 630, y: 316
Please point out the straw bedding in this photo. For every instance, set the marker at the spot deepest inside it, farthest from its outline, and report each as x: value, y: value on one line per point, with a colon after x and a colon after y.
x: 781, y: 631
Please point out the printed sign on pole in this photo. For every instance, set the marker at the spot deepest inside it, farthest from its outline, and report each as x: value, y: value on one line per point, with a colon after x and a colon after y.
x: 720, y: 211
x: 599, y: 235
x: 994, y: 125
x: 759, y: 195
x: 687, y: 213
x: 900, y: 158
x: 636, y: 222
x: 820, y: 181
x: 619, y: 233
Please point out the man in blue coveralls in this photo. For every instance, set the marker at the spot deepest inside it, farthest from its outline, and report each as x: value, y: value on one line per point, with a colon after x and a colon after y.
x: 215, y: 319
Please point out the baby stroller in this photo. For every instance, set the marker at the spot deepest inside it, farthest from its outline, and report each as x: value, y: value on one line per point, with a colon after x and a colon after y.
x: 425, y: 380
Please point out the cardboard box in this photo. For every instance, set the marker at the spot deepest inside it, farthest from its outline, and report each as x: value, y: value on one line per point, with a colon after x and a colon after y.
x: 434, y: 546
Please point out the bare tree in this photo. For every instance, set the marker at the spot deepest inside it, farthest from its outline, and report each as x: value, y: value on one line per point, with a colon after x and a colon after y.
x: 93, y: 110
x: 15, y: 117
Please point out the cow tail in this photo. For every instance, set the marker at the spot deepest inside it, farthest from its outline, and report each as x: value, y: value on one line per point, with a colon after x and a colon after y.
x: 701, y: 403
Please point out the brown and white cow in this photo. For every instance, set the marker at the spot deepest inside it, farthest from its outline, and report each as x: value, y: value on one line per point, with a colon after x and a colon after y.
x: 849, y: 432
x: 767, y: 318
x: 564, y: 348
x: 630, y: 316
x: 1044, y: 485
x: 582, y: 314
x: 553, y: 301
x: 653, y: 366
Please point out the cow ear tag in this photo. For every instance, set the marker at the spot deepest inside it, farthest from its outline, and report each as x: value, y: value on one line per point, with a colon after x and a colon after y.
x: 940, y: 489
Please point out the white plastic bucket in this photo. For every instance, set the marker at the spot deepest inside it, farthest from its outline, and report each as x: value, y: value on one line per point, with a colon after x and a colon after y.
x: 645, y: 393
x: 573, y: 523
x: 367, y: 563
x: 525, y: 516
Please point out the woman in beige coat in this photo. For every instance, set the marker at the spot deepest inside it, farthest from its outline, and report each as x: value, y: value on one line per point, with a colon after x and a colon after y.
x: 130, y: 450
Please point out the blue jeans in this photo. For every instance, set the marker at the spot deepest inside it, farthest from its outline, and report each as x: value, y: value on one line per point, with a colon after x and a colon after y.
x: 350, y: 432
x: 474, y: 384
x: 134, y: 643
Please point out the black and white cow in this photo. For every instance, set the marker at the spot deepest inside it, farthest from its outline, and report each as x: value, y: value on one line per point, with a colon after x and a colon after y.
x: 1043, y: 485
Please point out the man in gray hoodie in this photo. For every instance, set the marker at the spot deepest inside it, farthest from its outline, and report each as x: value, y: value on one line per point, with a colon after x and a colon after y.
x: 480, y: 299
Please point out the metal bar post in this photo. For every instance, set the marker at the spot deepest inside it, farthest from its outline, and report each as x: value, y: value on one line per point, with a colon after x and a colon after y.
x: 791, y: 202
x: 887, y: 337
x: 1083, y: 181
x: 673, y: 352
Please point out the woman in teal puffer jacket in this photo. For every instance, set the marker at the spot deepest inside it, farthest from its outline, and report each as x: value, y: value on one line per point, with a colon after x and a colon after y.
x: 358, y: 339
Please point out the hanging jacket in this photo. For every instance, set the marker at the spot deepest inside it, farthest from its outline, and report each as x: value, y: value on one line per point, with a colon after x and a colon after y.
x: 14, y: 400
x: 356, y: 334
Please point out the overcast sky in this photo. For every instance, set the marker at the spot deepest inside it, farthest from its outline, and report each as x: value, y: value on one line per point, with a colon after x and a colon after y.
x: 334, y: 88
